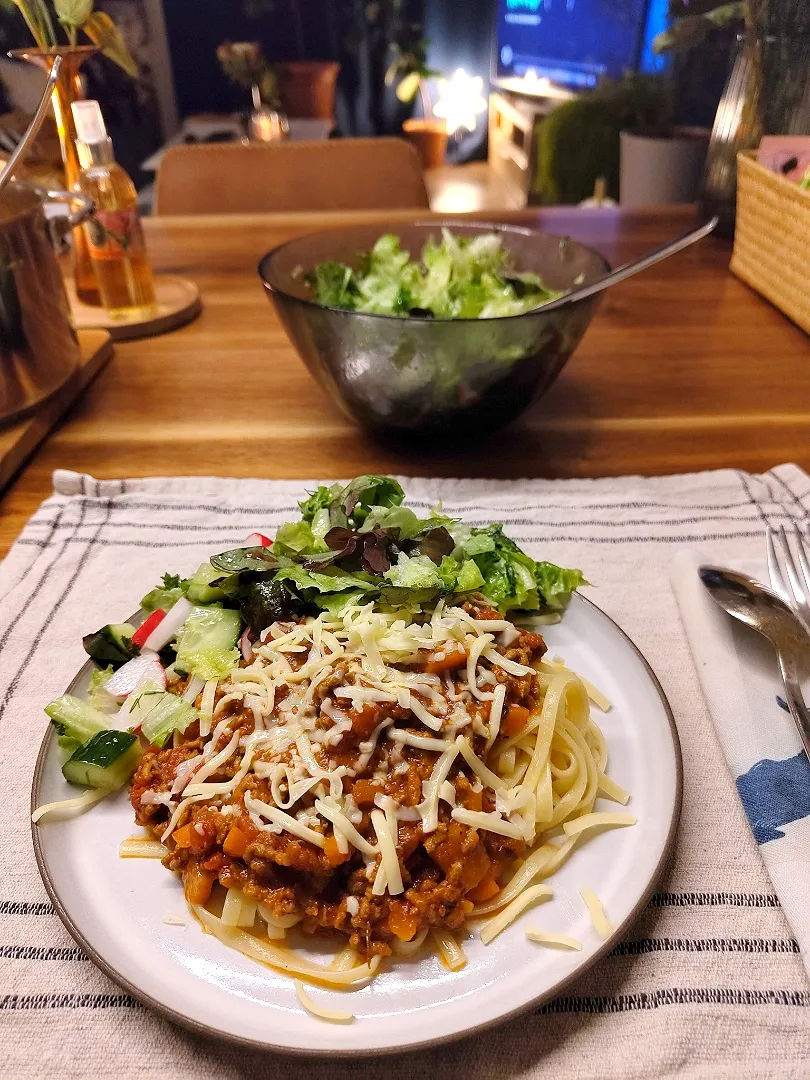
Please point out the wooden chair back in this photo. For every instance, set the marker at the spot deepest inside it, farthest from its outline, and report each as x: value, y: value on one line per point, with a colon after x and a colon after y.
x: 332, y: 174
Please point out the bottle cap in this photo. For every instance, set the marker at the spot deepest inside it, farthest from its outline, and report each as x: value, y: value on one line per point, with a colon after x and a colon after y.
x: 89, y: 122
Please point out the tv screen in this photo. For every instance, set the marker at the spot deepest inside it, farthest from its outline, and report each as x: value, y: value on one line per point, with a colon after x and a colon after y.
x: 570, y: 42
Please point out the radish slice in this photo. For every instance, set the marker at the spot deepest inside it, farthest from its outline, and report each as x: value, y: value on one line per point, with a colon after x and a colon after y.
x: 135, y: 672
x: 195, y: 685
x: 258, y: 540
x: 168, y: 627
x: 246, y: 645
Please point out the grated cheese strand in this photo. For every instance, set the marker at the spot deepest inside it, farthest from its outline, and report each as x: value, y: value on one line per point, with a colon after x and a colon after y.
x: 388, y: 856
x: 596, y: 912
x: 543, y: 937
x: 493, y: 927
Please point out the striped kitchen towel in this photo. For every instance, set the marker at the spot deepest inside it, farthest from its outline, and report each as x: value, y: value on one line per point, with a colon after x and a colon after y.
x: 740, y: 679
x: 709, y: 984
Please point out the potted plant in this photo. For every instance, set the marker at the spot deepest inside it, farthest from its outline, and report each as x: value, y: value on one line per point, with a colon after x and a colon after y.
x: 767, y: 91
x: 427, y: 133
x: 243, y: 62
x: 661, y: 162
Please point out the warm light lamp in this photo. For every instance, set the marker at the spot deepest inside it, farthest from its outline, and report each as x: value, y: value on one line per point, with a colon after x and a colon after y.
x: 461, y: 99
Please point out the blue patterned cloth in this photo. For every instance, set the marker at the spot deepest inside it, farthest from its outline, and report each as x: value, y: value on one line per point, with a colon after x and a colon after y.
x: 741, y: 683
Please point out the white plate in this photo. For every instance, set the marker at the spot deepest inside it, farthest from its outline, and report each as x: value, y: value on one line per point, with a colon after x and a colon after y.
x: 115, y: 907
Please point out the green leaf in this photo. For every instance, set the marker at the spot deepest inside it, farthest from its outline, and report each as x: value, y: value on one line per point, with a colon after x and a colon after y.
x: 296, y: 538
x: 469, y: 577
x: 330, y: 580
x: 252, y: 558
x: 74, y: 13
x: 358, y: 497
x: 167, y: 594
x: 103, y: 32
x: 690, y: 30
x: 320, y: 499
x: 409, y: 87
x: 418, y: 572
x: 402, y: 519
x: 337, y: 603
x: 556, y: 585
x: 97, y: 695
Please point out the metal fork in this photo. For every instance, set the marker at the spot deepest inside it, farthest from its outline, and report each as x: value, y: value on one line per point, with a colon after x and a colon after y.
x: 791, y: 584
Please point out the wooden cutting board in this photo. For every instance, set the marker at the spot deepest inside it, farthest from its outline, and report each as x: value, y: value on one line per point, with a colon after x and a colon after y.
x: 19, y: 440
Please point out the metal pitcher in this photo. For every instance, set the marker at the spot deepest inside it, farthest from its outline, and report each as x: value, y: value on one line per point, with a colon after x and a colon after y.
x: 39, y: 350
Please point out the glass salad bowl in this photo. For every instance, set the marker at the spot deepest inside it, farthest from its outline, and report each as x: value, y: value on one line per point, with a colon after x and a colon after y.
x: 424, y: 374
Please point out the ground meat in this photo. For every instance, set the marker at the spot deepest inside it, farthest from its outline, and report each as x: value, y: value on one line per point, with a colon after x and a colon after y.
x: 155, y: 772
x: 292, y: 876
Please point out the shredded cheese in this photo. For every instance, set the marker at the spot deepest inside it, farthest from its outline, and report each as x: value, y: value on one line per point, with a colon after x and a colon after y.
x: 543, y: 937
x: 388, y: 856
x: 492, y: 822
x: 494, y: 926
x: 279, y: 817
x: 596, y: 912
x: 429, y: 807
x: 90, y: 798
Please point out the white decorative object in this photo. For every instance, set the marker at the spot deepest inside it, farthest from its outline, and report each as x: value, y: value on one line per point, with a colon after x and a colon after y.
x: 662, y: 170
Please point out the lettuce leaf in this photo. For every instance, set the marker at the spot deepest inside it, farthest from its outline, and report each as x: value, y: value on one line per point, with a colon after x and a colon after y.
x: 556, y: 585
x: 167, y: 594
x: 97, y: 695
x: 457, y: 278
x: 330, y: 580
x: 297, y: 538
x: 418, y: 572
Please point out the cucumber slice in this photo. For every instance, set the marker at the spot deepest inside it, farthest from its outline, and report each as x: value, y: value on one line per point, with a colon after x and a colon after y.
x: 106, y: 761
x: 112, y: 644
x: 76, y: 719
x: 200, y: 590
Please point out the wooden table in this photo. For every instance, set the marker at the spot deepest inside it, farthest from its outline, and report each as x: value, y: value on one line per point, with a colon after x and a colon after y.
x: 683, y: 368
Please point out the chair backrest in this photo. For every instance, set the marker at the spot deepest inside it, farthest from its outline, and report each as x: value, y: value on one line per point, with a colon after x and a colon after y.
x: 333, y: 174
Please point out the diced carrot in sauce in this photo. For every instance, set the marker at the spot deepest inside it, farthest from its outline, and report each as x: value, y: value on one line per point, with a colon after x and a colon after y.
x: 484, y: 891
x: 402, y: 922
x: 197, y: 884
x: 365, y: 719
x: 439, y: 662
x: 235, y: 843
x: 334, y: 856
x: 517, y: 717
x: 472, y: 800
x: 364, y: 791
x: 182, y: 836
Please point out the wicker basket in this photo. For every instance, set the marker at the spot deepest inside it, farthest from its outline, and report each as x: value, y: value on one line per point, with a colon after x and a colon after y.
x: 772, y: 239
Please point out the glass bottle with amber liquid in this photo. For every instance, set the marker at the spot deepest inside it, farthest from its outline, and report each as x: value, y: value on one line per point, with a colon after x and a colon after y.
x: 114, y: 233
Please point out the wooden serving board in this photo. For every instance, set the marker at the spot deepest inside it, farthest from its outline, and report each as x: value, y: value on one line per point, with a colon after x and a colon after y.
x: 19, y: 440
x: 178, y: 302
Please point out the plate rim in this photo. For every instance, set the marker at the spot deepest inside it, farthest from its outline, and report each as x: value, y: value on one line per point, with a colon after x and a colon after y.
x: 207, y: 1031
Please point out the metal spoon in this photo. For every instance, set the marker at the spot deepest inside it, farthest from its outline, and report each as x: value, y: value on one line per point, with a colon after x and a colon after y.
x: 762, y: 610
x: 629, y: 269
x: 24, y: 144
